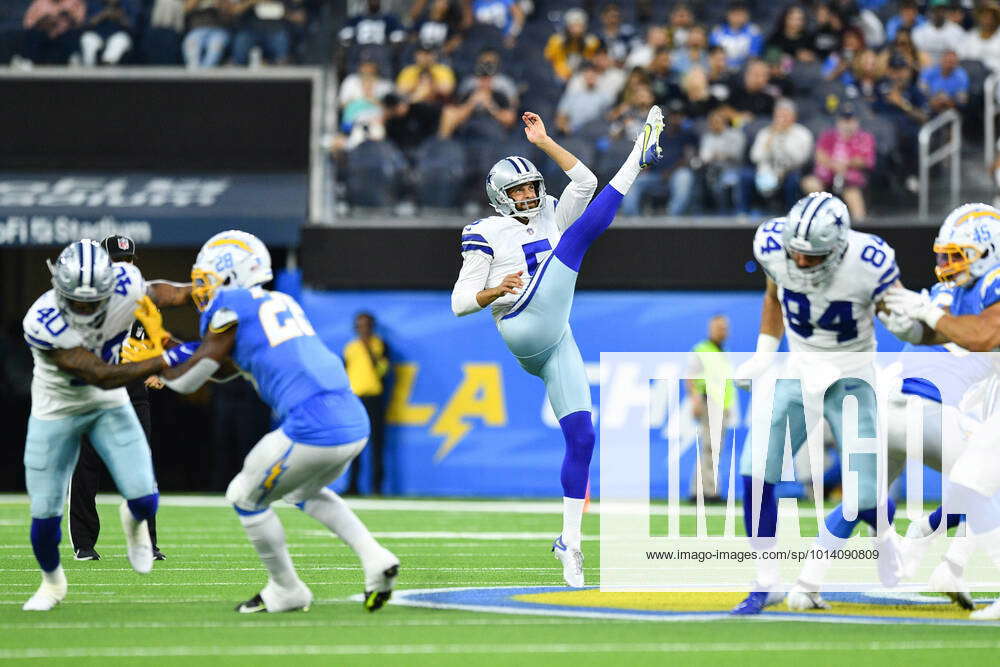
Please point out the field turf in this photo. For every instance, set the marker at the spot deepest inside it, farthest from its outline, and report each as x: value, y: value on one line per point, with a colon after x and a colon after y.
x: 182, y: 613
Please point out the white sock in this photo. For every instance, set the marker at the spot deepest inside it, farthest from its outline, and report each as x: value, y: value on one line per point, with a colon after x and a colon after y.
x: 768, y: 574
x: 56, y: 577
x: 330, y: 510
x: 814, y: 570
x: 959, y: 552
x: 572, y: 520
x: 623, y: 180
x: 923, y: 524
x: 268, y: 537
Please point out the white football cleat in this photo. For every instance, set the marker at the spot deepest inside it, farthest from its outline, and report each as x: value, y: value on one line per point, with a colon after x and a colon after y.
x: 380, y: 578
x: 572, y: 562
x: 274, y: 599
x: 139, y: 547
x: 48, y: 594
x: 799, y: 599
x: 649, y: 141
x: 943, y: 580
x: 912, y: 549
x: 991, y: 613
x: 890, y: 558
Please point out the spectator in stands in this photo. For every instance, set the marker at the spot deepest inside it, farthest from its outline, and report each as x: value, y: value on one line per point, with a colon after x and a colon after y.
x: 662, y: 78
x: 902, y: 45
x: 161, y: 41
x: 618, y: 37
x: 862, y: 80
x: 264, y: 25
x: 108, y: 32
x: 408, y: 122
x: 208, y: 32
x: 827, y: 33
x: 488, y: 60
x: 426, y: 80
x: 693, y: 54
x: 844, y: 155
x: 680, y: 25
x: 945, y: 84
x: 568, y: 48
x: 902, y: 102
x: 636, y: 78
x: 779, y: 65
x: 721, y: 153
x: 372, y: 28
x: 610, y: 77
x: 853, y: 14
x: 938, y: 34
x: 779, y: 153
x: 506, y: 15
x: 753, y: 96
x: 982, y: 43
x: 583, y: 104
x: 53, y: 30
x: 673, y: 172
x: 642, y: 54
x: 791, y: 37
x: 957, y: 15
x: 718, y: 68
x: 627, y: 118
x: 908, y: 17
x: 482, y: 113
x: 441, y: 28
x: 361, y: 93
x: 838, y: 63
x: 741, y: 39
x: 700, y: 98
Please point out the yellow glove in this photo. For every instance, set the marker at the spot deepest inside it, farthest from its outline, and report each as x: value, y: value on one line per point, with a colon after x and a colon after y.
x: 135, y: 350
x: 152, y: 320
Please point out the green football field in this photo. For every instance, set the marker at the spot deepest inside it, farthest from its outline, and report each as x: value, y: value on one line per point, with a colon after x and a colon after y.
x: 182, y: 613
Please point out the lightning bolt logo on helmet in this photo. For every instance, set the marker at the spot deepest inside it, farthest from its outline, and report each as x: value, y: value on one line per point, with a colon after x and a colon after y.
x: 230, y: 259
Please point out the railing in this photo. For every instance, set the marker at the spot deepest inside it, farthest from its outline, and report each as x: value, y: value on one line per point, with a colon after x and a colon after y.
x: 953, y: 149
x: 989, y: 120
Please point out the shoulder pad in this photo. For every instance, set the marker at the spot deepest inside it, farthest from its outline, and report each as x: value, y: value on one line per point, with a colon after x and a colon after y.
x: 475, y: 237
x: 874, y: 261
x: 767, y: 240
x: 45, y: 328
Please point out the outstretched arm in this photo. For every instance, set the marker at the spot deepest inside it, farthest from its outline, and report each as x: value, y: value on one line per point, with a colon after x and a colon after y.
x: 87, y: 366
x: 214, y: 350
x: 582, y: 184
x: 165, y: 293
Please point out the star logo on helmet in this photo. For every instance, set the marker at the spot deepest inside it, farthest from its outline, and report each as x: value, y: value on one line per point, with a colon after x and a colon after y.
x: 839, y: 221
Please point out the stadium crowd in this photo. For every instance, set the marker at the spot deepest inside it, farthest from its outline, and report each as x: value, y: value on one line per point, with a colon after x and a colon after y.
x: 765, y: 99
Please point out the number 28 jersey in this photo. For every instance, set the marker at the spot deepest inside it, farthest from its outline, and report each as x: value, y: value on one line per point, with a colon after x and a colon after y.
x: 837, y: 316
x: 277, y: 346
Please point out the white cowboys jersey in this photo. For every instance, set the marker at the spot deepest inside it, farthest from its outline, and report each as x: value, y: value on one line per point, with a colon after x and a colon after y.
x: 838, y: 317
x: 56, y: 394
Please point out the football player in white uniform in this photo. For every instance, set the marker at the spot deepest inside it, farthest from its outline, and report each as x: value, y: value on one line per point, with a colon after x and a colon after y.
x: 75, y: 331
x: 823, y: 283
x: 540, y: 240
x: 968, y: 258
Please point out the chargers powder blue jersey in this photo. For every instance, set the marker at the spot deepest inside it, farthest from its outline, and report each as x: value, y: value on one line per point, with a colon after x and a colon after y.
x: 295, y: 374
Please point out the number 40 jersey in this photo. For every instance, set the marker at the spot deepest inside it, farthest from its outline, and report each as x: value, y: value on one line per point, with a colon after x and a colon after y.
x: 837, y: 316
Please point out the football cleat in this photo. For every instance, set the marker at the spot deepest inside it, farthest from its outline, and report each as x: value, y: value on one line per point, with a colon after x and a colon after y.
x: 799, y: 599
x: 48, y: 595
x: 990, y: 613
x: 252, y: 606
x: 756, y: 602
x: 944, y: 580
x: 379, y: 580
x: 158, y: 555
x: 572, y: 561
x: 912, y: 548
x: 86, y: 554
x: 649, y: 140
x: 139, y: 548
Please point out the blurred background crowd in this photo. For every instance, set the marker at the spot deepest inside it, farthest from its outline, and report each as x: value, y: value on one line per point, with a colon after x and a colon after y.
x: 765, y: 99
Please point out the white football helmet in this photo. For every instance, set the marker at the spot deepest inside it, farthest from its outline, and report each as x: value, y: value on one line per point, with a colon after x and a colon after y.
x: 817, y: 225
x: 230, y: 259
x: 509, y: 173
x: 966, y: 244
x: 84, y: 281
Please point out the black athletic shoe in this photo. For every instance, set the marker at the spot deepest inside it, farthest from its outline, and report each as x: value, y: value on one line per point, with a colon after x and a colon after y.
x: 252, y: 606
x: 86, y: 554
x: 158, y: 555
x: 375, y: 600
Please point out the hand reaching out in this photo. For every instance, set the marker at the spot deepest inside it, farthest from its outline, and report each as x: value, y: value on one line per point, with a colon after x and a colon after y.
x: 534, y: 128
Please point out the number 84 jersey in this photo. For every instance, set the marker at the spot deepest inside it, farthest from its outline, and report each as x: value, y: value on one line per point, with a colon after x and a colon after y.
x: 837, y: 316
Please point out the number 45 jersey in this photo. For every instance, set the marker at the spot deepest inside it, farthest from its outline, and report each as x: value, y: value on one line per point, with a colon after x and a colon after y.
x: 56, y: 394
x: 837, y: 316
x: 294, y: 373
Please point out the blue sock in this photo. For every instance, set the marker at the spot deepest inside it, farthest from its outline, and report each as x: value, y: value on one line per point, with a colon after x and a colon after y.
x: 578, y: 430
x: 935, y: 518
x: 592, y: 222
x: 870, y: 516
x: 767, y: 521
x: 144, y: 508
x: 838, y: 525
x: 45, y: 537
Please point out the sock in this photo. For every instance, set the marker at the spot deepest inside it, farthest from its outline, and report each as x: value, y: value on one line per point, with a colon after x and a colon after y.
x: 330, y: 510
x: 960, y: 550
x: 934, y: 519
x: 56, y: 577
x: 767, y: 521
x: 838, y: 525
x: 572, y: 519
x: 623, y: 180
x: 45, y: 537
x: 592, y: 222
x: 578, y: 432
x: 814, y: 570
x: 144, y: 508
x: 870, y: 516
x: 268, y: 538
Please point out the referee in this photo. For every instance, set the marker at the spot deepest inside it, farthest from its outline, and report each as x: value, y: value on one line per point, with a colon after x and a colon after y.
x: 84, y: 523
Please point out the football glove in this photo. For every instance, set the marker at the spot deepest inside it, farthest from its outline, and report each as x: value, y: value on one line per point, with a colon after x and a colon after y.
x: 152, y: 321
x: 915, y: 305
x: 135, y: 350
x: 903, y: 327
